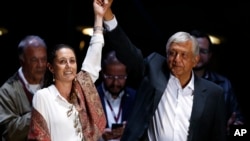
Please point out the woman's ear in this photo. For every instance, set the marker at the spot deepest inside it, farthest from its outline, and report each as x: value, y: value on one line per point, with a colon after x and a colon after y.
x: 49, y: 66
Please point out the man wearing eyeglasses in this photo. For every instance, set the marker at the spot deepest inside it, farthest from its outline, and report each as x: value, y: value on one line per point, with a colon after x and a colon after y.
x: 234, y: 115
x: 116, y: 96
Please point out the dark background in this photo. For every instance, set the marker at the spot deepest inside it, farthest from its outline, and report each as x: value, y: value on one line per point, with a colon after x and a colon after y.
x: 148, y: 24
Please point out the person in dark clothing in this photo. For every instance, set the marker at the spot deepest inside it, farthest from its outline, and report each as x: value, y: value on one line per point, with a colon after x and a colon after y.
x: 234, y: 114
x: 116, y: 96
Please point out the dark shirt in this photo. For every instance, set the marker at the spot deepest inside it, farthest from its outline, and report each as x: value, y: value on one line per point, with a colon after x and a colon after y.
x: 229, y: 95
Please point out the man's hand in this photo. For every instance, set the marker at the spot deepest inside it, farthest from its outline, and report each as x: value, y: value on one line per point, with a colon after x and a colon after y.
x: 233, y: 121
x: 113, y: 133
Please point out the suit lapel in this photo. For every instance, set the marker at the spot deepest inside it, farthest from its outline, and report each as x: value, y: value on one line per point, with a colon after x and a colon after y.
x: 198, y: 105
x: 160, y: 85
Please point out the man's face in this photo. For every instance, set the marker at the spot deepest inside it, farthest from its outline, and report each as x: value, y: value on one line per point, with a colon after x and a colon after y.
x: 114, y: 78
x: 34, y: 64
x: 205, y: 53
x: 181, y: 59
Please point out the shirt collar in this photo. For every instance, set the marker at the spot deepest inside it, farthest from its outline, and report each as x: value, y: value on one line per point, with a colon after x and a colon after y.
x: 108, y: 94
x: 32, y: 88
x: 190, y: 84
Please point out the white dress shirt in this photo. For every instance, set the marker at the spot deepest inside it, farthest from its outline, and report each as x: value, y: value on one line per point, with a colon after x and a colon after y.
x: 171, y: 119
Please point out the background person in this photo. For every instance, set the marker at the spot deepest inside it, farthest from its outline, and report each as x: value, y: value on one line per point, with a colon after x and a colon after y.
x: 17, y: 92
x: 202, y: 69
x: 116, y: 96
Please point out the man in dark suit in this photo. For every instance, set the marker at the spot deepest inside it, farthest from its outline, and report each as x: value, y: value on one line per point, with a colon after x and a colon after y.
x: 116, y: 95
x: 172, y: 103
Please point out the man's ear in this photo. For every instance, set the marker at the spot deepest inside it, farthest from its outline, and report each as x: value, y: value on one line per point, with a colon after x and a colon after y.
x: 196, y: 60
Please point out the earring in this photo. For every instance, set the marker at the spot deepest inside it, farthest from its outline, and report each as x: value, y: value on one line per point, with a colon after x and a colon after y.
x: 53, y: 79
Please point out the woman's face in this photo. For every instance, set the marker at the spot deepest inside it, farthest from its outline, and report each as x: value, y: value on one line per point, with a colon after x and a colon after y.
x: 64, y: 66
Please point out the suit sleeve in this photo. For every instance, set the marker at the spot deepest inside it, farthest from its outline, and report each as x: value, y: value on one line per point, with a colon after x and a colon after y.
x: 126, y: 51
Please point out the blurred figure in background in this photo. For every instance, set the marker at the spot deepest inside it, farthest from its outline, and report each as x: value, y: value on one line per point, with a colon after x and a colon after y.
x: 116, y: 96
x: 17, y: 92
x: 202, y: 69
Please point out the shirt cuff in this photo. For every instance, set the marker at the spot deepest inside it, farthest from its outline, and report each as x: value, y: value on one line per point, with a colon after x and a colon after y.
x: 111, y: 24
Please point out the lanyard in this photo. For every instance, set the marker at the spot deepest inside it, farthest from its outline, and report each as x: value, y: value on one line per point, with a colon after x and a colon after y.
x: 116, y: 117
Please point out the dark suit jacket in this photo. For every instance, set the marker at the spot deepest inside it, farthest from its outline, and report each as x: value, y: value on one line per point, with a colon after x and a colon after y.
x: 127, y: 101
x: 208, y: 120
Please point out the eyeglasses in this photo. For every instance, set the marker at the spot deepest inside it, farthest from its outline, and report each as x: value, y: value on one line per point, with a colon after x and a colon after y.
x: 115, y: 77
